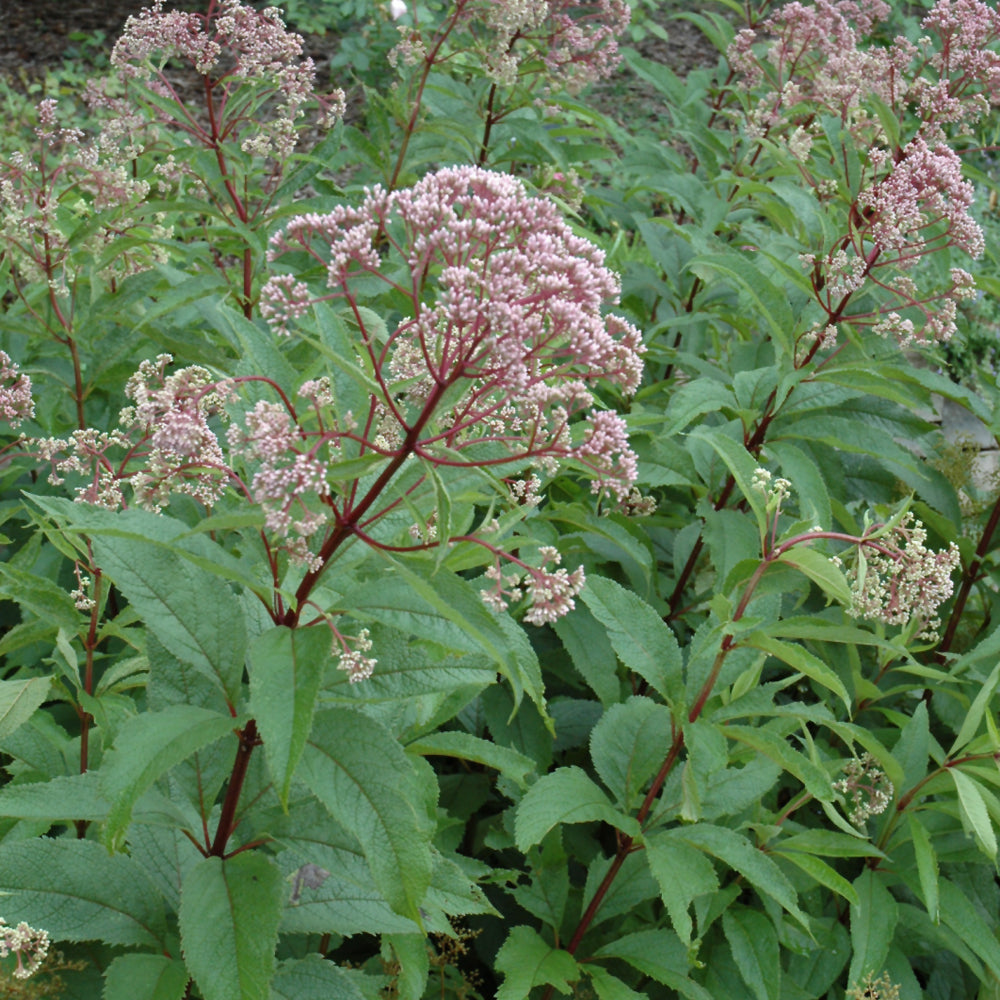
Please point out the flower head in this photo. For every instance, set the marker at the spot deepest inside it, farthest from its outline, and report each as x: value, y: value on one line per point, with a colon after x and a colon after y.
x: 30, y: 946
x: 503, y: 319
x: 866, y: 788
x: 16, y: 403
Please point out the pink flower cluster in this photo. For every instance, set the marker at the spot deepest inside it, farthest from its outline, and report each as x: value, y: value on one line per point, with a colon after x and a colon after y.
x: 16, y: 403
x: 229, y: 45
x: 576, y: 42
x: 502, y: 300
x: 923, y: 202
x: 549, y: 590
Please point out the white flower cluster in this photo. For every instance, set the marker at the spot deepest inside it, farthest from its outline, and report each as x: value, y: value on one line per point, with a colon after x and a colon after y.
x: 866, y: 788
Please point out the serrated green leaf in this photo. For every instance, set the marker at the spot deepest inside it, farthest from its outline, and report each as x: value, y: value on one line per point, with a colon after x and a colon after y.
x: 286, y: 670
x: 148, y: 745
x: 927, y: 866
x: 828, y: 577
x: 526, y: 960
x: 449, y: 610
x: 754, y: 945
x: 800, y: 659
x: 628, y: 745
x: 739, y: 854
x: 820, y: 872
x: 566, y: 795
x: 683, y: 873
x: 587, y: 643
x: 40, y: 596
x: 145, y: 977
x: 78, y: 892
x: 19, y: 699
x: 779, y: 749
x: 313, y: 978
x: 465, y: 746
x: 873, y: 925
x: 608, y: 987
x: 741, y: 465
x: 959, y: 914
x: 974, y: 811
x: 977, y: 709
x: 193, y: 614
x: 369, y: 785
x: 643, y: 642
x: 413, y: 960
x: 660, y: 955
x: 64, y: 797
x: 229, y: 915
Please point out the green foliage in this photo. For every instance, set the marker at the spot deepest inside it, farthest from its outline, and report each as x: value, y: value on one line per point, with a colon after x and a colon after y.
x: 272, y: 732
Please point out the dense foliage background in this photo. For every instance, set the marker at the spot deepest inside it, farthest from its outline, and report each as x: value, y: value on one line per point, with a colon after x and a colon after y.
x: 473, y: 532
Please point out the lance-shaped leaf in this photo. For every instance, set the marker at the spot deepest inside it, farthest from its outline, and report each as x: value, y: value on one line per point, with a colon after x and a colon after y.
x: 18, y: 701
x: 286, y: 670
x: 873, y: 924
x: 229, y: 918
x: 314, y: 978
x: 369, y: 785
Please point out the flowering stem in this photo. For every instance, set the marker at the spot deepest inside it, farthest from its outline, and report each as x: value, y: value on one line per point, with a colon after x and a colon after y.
x: 248, y: 738
x: 429, y: 61
x: 626, y: 844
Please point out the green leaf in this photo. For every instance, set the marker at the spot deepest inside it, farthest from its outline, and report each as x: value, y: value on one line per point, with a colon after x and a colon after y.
x: 966, y: 921
x: 413, y: 960
x: 19, y: 700
x: 41, y: 597
x: 145, y: 977
x: 779, y: 749
x: 828, y: 577
x: 754, y: 945
x: 684, y: 873
x: 977, y: 709
x: 465, y: 746
x: 660, y: 955
x: 148, y: 745
x: 448, y: 610
x: 526, y: 960
x: 64, y: 797
x: 642, y: 640
x: 873, y: 925
x: 974, y: 811
x: 739, y: 854
x: 565, y: 795
x: 77, y: 891
x: 229, y: 915
x: 587, y: 643
x: 768, y: 301
x: 608, y: 987
x: 628, y: 745
x: 741, y: 465
x: 286, y: 671
x: 800, y: 659
x: 313, y: 978
x: 369, y: 785
x: 820, y: 872
x: 927, y: 866
x: 194, y: 614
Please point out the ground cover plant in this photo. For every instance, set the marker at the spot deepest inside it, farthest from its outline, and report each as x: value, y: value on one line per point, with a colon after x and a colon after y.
x: 460, y: 544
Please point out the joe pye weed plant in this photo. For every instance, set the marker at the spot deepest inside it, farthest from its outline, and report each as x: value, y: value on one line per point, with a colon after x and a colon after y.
x: 490, y: 553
